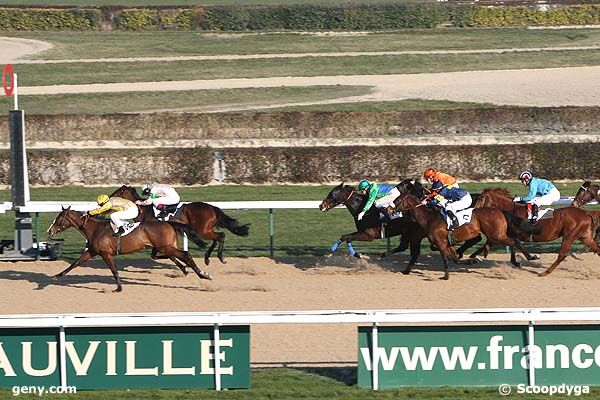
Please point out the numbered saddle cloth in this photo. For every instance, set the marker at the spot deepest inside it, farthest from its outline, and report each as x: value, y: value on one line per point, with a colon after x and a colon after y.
x: 545, y: 213
x: 463, y: 216
x: 129, y: 227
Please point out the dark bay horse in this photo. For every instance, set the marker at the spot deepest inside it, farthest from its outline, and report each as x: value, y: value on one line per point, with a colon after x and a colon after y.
x: 570, y: 223
x: 100, y: 241
x: 203, y: 218
x: 586, y: 193
x: 369, y: 228
x: 496, y: 225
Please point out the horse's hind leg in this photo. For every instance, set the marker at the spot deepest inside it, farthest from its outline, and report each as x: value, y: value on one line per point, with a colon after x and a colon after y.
x: 189, y: 261
x: 154, y: 255
x: 82, y: 258
x: 215, y: 237
x: 467, y: 245
x: 209, y: 252
x: 220, y: 248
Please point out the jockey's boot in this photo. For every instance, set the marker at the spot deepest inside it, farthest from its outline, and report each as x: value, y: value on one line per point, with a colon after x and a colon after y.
x: 453, y: 219
x: 119, y: 232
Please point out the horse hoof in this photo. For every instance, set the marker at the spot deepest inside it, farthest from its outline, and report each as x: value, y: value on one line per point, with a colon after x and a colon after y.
x: 444, y: 278
x: 118, y: 289
x: 206, y: 261
x: 56, y: 277
x: 541, y: 274
x: 207, y: 276
x: 222, y: 261
x: 405, y: 272
x: 518, y: 265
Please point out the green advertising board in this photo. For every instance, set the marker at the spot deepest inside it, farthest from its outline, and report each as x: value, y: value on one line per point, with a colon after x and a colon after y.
x: 480, y: 355
x: 126, y: 357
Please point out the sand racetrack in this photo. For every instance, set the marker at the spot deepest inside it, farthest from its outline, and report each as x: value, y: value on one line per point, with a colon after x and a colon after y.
x: 312, y: 283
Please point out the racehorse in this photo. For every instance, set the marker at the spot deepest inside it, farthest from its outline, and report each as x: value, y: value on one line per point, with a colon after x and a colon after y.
x: 569, y: 222
x: 496, y: 225
x: 100, y: 241
x: 203, y: 218
x: 369, y: 227
x: 586, y: 193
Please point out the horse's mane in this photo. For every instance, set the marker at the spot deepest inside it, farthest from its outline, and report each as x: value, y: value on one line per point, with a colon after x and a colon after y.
x: 498, y: 191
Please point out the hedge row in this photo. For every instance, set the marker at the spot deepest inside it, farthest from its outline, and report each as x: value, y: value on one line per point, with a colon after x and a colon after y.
x: 296, y: 17
x: 496, y: 122
x: 192, y: 166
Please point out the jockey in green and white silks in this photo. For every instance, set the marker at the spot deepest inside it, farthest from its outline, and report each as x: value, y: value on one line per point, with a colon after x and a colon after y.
x: 382, y: 195
x: 159, y: 195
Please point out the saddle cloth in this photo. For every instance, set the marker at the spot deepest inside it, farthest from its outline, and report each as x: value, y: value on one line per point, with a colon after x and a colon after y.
x: 129, y: 227
x: 463, y: 216
x: 545, y: 213
x: 172, y: 211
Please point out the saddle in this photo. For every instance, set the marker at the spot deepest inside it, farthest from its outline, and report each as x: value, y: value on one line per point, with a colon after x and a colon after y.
x: 172, y: 211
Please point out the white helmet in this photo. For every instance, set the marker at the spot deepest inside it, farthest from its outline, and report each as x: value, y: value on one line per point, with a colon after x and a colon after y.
x: 146, y: 189
x: 525, y: 176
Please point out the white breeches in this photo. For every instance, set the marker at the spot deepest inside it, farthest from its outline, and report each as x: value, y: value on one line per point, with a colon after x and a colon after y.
x: 547, y: 199
x: 388, y: 199
x: 171, y: 198
x: 461, y: 204
x: 118, y: 217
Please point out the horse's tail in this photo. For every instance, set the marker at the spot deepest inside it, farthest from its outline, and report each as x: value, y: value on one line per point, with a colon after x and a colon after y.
x: 191, y: 233
x: 232, y: 224
x: 595, y: 216
x: 518, y: 226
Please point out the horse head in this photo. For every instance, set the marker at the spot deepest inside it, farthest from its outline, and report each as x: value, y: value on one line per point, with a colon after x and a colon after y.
x: 126, y: 192
x: 586, y: 193
x: 411, y: 186
x: 338, y: 195
x: 63, y: 220
x: 406, y: 201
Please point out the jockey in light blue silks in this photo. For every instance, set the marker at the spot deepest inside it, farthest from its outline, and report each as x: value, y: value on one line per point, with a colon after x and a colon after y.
x: 541, y: 193
x: 382, y: 195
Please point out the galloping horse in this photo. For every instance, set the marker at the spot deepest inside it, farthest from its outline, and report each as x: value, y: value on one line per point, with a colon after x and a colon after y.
x: 586, y: 193
x: 369, y: 227
x: 569, y: 222
x: 100, y: 241
x: 203, y: 218
x: 494, y: 224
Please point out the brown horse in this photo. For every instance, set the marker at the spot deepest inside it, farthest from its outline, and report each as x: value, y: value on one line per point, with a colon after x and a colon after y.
x: 586, y: 193
x: 493, y: 223
x: 570, y: 223
x: 369, y: 228
x: 100, y: 241
x: 203, y: 218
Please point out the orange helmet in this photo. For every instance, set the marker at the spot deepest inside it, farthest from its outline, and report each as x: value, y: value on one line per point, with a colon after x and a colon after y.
x: 429, y: 173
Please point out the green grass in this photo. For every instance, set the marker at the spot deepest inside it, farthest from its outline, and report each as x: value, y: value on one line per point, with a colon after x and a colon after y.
x: 75, y: 45
x: 81, y: 73
x: 205, y: 100
x: 297, y: 232
x: 294, y: 384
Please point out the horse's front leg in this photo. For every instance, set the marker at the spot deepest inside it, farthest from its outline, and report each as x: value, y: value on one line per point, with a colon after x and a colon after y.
x: 362, y: 236
x: 109, y: 260
x: 88, y: 254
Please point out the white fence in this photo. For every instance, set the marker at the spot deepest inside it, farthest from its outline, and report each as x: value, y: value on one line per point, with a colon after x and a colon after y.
x: 528, y: 316
x: 56, y: 206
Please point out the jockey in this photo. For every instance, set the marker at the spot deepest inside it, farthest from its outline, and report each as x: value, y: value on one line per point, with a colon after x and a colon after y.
x: 160, y: 196
x: 541, y: 193
x: 380, y: 194
x: 446, y: 194
x: 120, y: 210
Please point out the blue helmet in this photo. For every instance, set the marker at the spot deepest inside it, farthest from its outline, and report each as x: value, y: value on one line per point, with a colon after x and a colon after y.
x: 362, y: 185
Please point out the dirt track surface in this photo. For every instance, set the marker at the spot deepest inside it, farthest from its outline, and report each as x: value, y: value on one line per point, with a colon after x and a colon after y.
x: 313, y: 283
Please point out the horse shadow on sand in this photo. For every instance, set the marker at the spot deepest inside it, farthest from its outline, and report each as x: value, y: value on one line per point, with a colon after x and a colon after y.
x: 97, y: 272
x: 427, y: 267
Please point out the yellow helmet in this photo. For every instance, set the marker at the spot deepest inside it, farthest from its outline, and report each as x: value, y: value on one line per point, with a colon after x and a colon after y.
x: 102, y: 198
